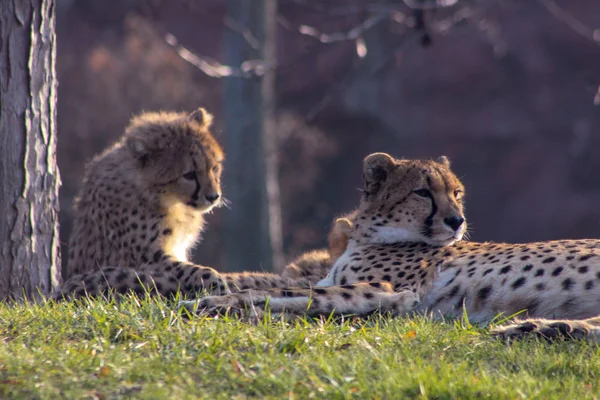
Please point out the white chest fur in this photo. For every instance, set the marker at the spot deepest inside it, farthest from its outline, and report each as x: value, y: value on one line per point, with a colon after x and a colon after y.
x: 343, y: 260
x: 386, y: 235
x: 186, y: 227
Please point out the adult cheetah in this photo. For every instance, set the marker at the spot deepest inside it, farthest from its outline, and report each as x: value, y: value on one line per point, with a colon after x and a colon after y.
x: 141, y: 209
x: 405, y: 254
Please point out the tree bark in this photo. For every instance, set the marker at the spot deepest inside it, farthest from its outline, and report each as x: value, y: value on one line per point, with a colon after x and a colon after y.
x: 252, y: 238
x: 29, y: 177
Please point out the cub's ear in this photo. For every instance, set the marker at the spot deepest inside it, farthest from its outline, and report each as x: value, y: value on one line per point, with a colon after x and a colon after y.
x: 141, y: 148
x: 444, y: 161
x: 201, y: 116
x: 138, y: 146
x: 375, y: 170
x: 338, y: 237
x: 342, y: 226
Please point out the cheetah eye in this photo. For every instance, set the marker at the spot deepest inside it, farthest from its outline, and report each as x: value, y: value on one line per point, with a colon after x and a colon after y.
x: 190, y: 176
x: 216, y: 168
x: 458, y: 194
x: 422, y: 192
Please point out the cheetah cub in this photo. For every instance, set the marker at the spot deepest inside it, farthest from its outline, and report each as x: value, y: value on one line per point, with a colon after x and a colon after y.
x: 315, y: 265
x: 405, y: 254
x: 141, y: 209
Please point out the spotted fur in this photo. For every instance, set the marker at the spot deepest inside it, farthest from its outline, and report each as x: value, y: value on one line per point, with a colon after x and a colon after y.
x: 407, y: 237
x: 141, y: 209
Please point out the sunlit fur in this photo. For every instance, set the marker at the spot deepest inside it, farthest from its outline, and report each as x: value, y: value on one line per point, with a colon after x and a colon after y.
x: 402, y: 259
x: 147, y: 193
x: 177, y: 157
x: 392, y: 185
x: 141, y: 209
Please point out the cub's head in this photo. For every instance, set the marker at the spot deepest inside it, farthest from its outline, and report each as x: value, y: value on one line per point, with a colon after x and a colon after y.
x: 410, y: 201
x: 316, y: 264
x: 176, y: 156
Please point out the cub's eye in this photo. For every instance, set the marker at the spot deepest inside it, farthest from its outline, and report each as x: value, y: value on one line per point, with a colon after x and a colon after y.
x: 216, y: 168
x: 190, y: 176
x: 458, y: 194
x: 422, y: 192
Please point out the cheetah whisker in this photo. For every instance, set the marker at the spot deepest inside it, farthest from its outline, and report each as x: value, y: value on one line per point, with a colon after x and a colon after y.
x: 225, y: 202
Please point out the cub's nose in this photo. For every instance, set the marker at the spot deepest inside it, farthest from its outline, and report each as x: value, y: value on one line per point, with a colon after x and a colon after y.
x: 454, y: 222
x: 212, y: 197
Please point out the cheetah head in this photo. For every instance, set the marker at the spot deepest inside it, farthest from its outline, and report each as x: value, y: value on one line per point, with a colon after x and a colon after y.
x: 177, y: 157
x: 410, y: 201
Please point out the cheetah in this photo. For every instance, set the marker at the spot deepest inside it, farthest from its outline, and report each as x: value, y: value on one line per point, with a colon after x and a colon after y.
x: 315, y: 265
x: 141, y: 209
x: 406, y: 254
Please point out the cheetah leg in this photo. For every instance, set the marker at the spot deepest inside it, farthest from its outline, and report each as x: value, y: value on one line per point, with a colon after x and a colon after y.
x: 261, y: 280
x: 192, y: 278
x: 195, y: 278
x: 356, y: 299
x: 117, y: 280
x: 551, y: 329
x: 166, y: 276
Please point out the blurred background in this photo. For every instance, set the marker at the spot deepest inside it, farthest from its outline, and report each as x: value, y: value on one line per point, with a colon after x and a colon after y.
x: 508, y: 89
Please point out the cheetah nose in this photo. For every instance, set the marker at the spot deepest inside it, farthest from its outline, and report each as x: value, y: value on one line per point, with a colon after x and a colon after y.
x: 454, y: 222
x: 212, y: 197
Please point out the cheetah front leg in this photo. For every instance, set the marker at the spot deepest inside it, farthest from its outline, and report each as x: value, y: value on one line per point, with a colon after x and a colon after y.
x: 238, y: 281
x: 165, y: 278
x: 191, y: 278
x: 551, y: 329
x: 117, y: 280
x: 356, y: 299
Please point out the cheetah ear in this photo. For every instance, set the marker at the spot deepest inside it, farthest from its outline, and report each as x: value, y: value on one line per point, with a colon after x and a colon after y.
x: 140, y: 149
x: 202, y: 117
x: 137, y: 146
x: 444, y: 161
x: 342, y: 226
x: 375, y: 170
x: 338, y: 237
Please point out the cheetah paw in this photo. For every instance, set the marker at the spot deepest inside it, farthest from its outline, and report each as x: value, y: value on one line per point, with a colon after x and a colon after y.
x: 230, y: 305
x: 545, y: 329
x: 400, y: 303
x: 210, y: 302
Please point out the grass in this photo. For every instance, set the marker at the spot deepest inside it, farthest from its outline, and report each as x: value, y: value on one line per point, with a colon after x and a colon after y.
x: 146, y: 349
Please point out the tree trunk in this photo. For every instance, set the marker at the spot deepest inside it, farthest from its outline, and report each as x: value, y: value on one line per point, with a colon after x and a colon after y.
x: 252, y: 235
x: 29, y: 178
